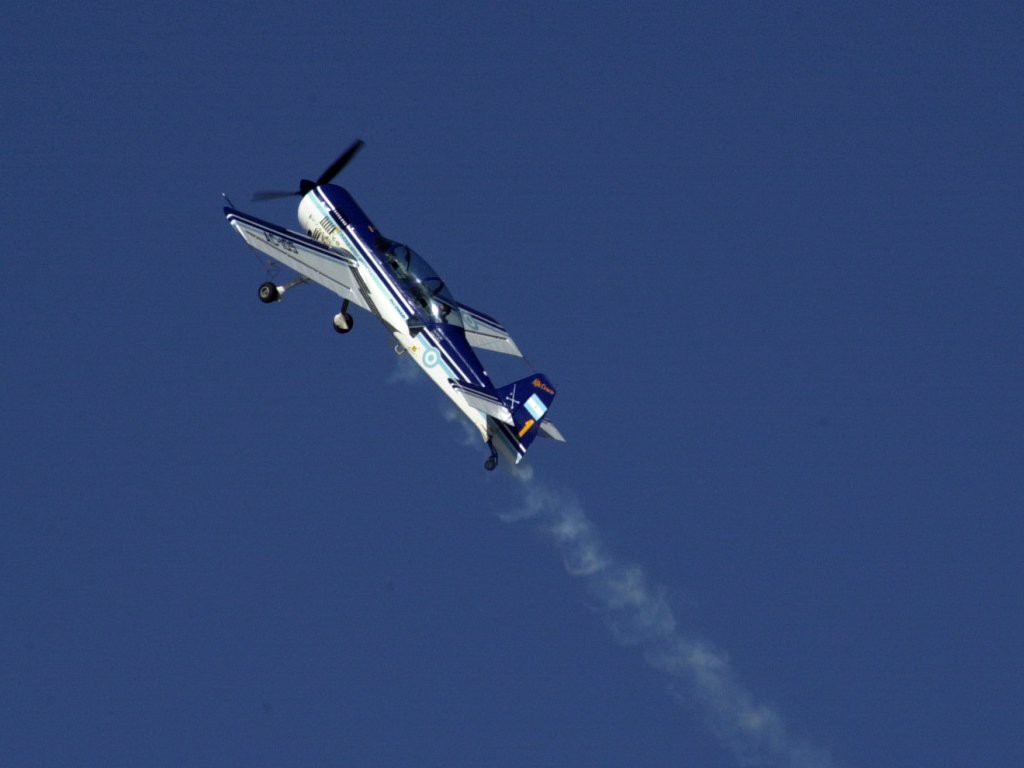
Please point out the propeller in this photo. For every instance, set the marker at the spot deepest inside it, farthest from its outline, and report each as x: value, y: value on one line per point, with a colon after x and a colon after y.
x: 306, y: 185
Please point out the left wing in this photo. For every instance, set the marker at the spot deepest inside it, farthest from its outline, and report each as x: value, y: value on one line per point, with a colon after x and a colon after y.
x: 484, y: 332
x: 336, y: 270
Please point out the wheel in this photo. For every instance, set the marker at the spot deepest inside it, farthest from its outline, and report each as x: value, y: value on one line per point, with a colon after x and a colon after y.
x: 343, y: 322
x: 269, y: 293
x: 491, y: 463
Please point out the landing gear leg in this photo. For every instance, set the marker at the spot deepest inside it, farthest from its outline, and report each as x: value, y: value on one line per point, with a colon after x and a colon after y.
x: 492, y: 460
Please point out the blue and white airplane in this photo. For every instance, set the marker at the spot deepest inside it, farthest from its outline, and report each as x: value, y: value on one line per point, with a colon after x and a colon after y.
x: 343, y: 251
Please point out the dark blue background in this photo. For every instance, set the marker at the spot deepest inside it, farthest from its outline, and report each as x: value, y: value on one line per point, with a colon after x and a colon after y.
x: 770, y: 255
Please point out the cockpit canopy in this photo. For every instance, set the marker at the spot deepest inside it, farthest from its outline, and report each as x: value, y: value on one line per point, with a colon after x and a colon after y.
x: 422, y: 281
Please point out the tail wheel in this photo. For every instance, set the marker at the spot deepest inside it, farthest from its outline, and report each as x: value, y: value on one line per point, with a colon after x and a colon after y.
x: 492, y: 460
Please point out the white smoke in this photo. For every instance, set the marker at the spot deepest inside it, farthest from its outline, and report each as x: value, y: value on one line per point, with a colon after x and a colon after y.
x: 700, y: 676
x: 469, y: 437
x: 639, y: 615
x: 404, y: 371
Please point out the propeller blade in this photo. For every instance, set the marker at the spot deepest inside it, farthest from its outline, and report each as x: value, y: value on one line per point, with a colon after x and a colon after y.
x: 335, y: 168
x: 306, y: 185
x: 261, y: 196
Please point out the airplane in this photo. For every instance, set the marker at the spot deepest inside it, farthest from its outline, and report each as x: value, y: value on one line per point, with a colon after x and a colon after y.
x: 343, y: 251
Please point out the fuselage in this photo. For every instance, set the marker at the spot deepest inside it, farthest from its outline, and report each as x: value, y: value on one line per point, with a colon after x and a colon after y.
x: 403, y: 291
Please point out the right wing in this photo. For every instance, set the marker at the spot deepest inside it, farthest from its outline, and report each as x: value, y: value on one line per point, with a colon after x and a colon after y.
x: 336, y: 270
x: 484, y: 332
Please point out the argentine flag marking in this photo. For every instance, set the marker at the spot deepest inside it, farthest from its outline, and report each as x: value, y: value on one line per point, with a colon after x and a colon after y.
x: 536, y: 407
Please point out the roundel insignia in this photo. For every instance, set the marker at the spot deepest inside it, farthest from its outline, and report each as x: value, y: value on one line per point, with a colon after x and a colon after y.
x: 430, y: 358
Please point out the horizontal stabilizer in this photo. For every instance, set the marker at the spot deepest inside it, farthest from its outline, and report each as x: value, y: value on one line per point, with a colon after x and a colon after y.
x: 547, y: 429
x: 483, y: 400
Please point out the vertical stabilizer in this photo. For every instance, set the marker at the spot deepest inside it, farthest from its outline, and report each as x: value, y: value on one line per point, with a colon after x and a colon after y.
x: 528, y: 400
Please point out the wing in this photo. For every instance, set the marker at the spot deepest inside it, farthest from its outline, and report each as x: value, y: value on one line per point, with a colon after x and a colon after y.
x: 484, y: 332
x: 336, y: 270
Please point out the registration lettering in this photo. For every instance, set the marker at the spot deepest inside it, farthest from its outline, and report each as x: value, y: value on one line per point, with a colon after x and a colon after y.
x: 281, y: 243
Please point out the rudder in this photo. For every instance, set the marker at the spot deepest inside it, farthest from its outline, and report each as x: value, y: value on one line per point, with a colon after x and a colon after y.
x: 528, y: 400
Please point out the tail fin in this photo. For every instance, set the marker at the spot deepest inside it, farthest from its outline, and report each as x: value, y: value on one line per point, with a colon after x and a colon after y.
x: 528, y: 400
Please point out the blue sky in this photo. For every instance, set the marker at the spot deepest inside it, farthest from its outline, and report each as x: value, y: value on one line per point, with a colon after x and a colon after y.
x: 769, y: 254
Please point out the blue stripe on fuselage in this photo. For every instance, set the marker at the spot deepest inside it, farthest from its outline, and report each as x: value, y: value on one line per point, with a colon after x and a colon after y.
x: 341, y: 210
x: 347, y: 214
x: 452, y: 341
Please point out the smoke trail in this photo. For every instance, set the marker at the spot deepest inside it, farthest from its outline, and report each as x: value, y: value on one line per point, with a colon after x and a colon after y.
x: 404, y: 371
x: 699, y: 675
x: 638, y: 615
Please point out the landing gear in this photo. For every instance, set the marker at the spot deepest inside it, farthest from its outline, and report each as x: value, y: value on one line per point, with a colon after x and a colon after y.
x: 492, y: 460
x: 343, y: 320
x: 269, y: 293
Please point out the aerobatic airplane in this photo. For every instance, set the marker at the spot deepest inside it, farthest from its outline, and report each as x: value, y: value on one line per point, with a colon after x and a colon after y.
x: 343, y: 251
